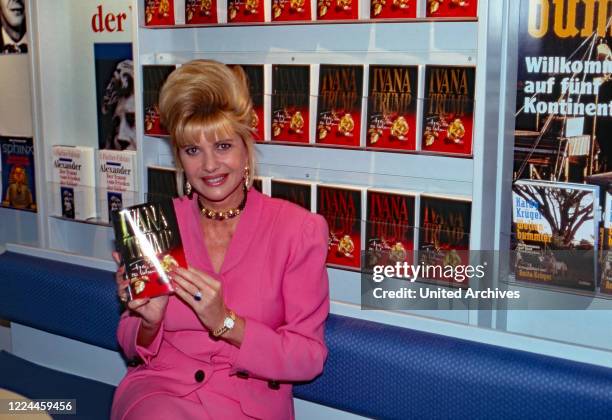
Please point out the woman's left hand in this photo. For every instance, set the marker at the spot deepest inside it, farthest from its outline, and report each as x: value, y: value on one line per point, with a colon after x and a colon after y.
x: 211, y: 308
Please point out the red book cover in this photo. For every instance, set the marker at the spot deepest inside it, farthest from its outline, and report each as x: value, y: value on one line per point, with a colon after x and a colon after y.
x: 299, y: 193
x: 392, y: 107
x: 452, y: 8
x: 290, y: 103
x: 389, y: 228
x: 339, y: 105
x: 448, y: 109
x: 255, y: 79
x: 149, y: 241
x: 341, y: 207
x: 245, y: 11
x: 395, y: 9
x: 154, y: 78
x: 290, y: 10
x: 444, y: 235
x: 159, y: 12
x: 337, y: 9
x: 199, y: 12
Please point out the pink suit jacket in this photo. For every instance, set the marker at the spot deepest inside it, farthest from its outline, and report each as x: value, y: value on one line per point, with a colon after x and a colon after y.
x: 273, y: 276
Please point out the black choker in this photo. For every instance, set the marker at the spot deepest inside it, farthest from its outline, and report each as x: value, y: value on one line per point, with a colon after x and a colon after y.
x: 223, y: 214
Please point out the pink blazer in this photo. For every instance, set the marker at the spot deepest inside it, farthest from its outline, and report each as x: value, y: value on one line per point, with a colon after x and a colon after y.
x: 273, y: 276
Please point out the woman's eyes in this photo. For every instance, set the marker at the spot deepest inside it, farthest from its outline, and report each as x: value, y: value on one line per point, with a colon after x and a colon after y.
x: 190, y: 151
x: 193, y: 150
x: 223, y: 146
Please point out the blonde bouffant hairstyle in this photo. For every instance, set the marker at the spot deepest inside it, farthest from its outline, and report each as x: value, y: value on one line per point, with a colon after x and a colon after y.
x: 205, y: 97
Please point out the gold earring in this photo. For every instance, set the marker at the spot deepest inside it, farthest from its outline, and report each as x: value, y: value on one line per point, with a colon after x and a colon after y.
x: 247, y: 178
x: 188, y: 189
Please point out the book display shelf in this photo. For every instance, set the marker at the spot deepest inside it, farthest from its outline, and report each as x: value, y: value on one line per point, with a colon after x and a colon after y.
x: 455, y: 170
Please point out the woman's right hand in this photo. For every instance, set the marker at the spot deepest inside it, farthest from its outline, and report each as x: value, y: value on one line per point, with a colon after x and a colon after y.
x: 151, y: 310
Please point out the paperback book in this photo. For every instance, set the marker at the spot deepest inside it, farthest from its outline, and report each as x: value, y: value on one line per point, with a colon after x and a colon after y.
x: 154, y: 78
x: 17, y: 170
x: 199, y: 12
x: 452, y: 8
x: 74, y: 181
x: 255, y: 79
x: 300, y: 193
x: 337, y: 9
x: 396, y: 9
x: 117, y: 184
x: 290, y: 10
x: 290, y: 103
x: 239, y: 11
x: 159, y: 12
x: 163, y: 183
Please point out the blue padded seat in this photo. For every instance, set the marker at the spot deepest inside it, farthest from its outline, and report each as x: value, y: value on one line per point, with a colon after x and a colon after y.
x: 93, y: 398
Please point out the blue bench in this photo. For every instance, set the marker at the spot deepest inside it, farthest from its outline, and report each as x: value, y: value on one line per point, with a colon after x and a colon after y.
x: 373, y: 370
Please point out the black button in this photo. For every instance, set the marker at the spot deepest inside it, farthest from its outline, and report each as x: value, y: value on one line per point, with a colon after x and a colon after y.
x: 134, y: 362
x: 199, y: 376
x: 242, y: 374
x: 273, y: 385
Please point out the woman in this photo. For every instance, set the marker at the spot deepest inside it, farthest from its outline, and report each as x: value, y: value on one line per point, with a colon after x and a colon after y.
x: 248, y: 315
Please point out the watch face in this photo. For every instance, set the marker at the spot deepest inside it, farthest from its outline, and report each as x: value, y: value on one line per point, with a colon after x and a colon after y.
x: 229, y: 323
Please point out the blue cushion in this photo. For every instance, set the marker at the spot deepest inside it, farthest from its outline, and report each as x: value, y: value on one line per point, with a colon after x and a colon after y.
x: 93, y: 399
x: 69, y: 300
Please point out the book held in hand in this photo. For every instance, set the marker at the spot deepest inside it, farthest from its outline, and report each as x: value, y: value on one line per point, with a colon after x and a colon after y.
x: 147, y: 237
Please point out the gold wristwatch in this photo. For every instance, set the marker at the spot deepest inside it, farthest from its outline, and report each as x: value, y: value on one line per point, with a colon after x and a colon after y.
x: 228, y: 324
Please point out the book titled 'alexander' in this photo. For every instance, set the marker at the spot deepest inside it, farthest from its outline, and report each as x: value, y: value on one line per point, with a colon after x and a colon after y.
x: 147, y: 237
x: 392, y: 107
x: 159, y: 12
x: 290, y: 103
x: 448, y: 112
x: 339, y: 105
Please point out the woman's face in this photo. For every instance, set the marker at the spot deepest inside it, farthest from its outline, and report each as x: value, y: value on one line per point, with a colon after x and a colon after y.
x: 215, y: 169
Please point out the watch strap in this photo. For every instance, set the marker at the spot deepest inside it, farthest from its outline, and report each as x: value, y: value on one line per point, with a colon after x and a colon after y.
x: 223, y: 328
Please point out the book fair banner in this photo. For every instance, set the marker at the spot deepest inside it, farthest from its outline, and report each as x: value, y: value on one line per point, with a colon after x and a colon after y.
x: 562, y: 150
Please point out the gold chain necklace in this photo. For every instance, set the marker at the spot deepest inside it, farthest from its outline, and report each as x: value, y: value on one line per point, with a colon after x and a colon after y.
x: 223, y: 214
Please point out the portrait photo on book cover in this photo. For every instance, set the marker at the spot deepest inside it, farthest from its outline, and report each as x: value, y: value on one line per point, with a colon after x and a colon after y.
x: 115, y: 96
x: 13, y: 22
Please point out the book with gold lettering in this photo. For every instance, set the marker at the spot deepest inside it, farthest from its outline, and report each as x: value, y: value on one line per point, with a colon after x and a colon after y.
x: 337, y: 9
x: 397, y: 9
x: 291, y: 10
x: 392, y: 107
x: 148, y: 238
x: 159, y: 12
x: 452, y: 8
x: 297, y: 192
x: 448, y: 109
x: 290, y: 103
x: 199, y: 12
x: 556, y: 230
x: 339, y: 105
x: 239, y: 11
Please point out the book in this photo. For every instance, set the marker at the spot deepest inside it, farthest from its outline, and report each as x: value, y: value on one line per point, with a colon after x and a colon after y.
x: 291, y: 10
x: 290, y: 103
x: 452, y: 8
x: 117, y: 181
x: 396, y: 9
x: 337, y: 9
x: 444, y: 235
x: 148, y: 239
x: 154, y: 78
x: 159, y: 12
x: 114, y: 71
x: 255, y: 79
x: 448, y: 114
x: 163, y: 183
x: 556, y: 230
x: 74, y: 182
x: 18, y: 171
x: 339, y: 104
x: 239, y: 11
x: 262, y: 184
x: 199, y: 12
x: 341, y: 206
x: 297, y: 192
x: 392, y: 107
x: 390, y: 225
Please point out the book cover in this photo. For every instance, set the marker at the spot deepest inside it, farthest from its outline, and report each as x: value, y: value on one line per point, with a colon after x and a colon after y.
x: 390, y: 224
x: 452, y: 8
x: 239, y: 11
x: 556, y: 233
x: 341, y: 207
x: 74, y: 181
x: 163, y: 183
x: 148, y: 238
x: 117, y: 181
x: 199, y: 12
x: 159, y: 12
x: 290, y: 10
x: 448, y: 109
x: 299, y: 193
x: 339, y: 105
x: 115, y: 96
x: 444, y: 235
x: 395, y: 9
x: 17, y: 164
x: 606, y: 246
x: 262, y: 184
x: 290, y: 103
x: 154, y: 78
x: 392, y: 107
x: 255, y: 79
x: 337, y: 9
